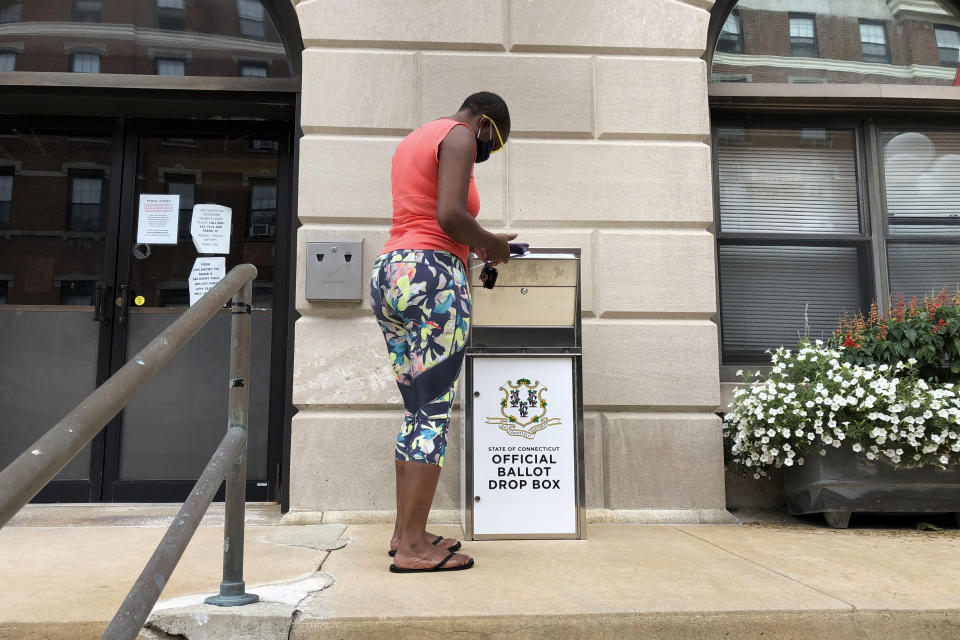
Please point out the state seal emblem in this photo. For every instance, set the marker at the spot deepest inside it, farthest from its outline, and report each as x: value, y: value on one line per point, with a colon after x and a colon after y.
x: 523, y: 409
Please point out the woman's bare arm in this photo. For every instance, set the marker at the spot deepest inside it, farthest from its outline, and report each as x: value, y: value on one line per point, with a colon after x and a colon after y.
x: 456, y: 155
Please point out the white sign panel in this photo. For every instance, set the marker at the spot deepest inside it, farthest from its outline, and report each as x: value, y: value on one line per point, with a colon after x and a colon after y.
x: 210, y: 228
x: 524, y: 454
x: 157, y: 222
x: 206, y: 273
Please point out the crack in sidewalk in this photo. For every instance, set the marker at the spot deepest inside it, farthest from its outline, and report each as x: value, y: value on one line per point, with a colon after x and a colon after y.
x: 832, y: 596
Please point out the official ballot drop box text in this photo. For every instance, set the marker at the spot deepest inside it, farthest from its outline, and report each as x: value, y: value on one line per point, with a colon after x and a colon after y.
x: 523, y: 406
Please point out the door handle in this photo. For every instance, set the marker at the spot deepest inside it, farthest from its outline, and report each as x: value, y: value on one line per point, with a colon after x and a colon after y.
x: 122, y: 303
x: 98, y: 296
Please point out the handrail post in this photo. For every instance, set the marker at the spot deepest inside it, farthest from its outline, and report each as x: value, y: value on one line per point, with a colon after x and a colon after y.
x: 232, y: 588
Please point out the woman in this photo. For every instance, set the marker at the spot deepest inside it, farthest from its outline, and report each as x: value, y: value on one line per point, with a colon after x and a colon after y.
x: 420, y: 296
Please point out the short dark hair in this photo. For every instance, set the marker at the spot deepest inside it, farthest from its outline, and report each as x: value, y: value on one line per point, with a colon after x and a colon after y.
x: 484, y: 102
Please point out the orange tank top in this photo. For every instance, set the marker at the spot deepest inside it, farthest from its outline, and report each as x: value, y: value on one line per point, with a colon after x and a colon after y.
x: 413, y: 177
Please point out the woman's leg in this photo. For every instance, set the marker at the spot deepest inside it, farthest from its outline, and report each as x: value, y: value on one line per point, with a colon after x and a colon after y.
x: 398, y: 525
x: 437, y: 324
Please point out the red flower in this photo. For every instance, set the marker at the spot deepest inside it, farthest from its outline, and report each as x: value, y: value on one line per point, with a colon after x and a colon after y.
x: 850, y: 342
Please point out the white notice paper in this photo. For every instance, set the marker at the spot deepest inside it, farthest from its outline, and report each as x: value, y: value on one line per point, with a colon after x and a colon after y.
x: 206, y: 273
x: 210, y: 228
x: 157, y: 222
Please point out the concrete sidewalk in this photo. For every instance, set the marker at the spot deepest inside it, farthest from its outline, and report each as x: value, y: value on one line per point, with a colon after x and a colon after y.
x: 783, y: 579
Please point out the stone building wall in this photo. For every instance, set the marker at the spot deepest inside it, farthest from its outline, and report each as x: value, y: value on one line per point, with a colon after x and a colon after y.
x: 608, y: 152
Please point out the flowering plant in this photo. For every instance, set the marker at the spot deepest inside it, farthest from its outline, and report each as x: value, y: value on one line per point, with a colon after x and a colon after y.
x: 927, y: 332
x: 813, y: 398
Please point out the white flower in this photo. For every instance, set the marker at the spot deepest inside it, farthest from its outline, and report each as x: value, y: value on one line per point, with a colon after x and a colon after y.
x: 857, y: 447
x: 944, y: 459
x: 739, y: 372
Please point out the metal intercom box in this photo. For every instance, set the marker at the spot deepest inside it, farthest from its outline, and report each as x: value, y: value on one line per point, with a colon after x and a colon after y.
x: 523, y: 403
x: 334, y: 271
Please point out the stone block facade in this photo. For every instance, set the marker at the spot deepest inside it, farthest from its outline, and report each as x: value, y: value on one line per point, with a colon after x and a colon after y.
x: 609, y: 153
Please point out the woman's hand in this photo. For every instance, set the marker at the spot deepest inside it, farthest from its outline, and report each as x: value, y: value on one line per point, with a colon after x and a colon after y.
x: 498, y: 250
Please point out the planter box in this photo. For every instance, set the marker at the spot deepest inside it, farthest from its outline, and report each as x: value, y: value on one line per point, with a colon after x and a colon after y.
x: 843, y: 482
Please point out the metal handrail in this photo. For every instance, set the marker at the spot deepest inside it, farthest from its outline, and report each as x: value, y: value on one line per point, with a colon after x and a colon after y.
x: 23, y: 478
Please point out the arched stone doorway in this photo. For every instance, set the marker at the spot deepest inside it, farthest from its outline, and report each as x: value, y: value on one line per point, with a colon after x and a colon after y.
x: 109, y: 104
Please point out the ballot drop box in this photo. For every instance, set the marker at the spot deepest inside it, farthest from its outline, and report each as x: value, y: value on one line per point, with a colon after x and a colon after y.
x: 522, y: 398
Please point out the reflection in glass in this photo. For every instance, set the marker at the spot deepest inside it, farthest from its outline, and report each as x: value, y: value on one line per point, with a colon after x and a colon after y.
x: 6, y: 196
x: 253, y: 70
x: 171, y: 67
x: 873, y: 42
x: 921, y: 174
x: 224, y: 170
x: 87, y: 10
x: 263, y: 208
x: 803, y: 36
x: 948, y: 44
x: 51, y: 258
x: 787, y: 180
x: 12, y: 12
x: 146, y: 37
x: 183, y: 186
x: 77, y: 292
x: 86, y: 201
x: 842, y: 41
x: 251, y: 16
x: 731, y: 40
x: 171, y: 14
x: 8, y: 60
x: 85, y: 62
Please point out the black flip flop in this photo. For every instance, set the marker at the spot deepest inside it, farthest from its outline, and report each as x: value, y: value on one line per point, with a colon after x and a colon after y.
x: 439, y: 567
x: 455, y: 547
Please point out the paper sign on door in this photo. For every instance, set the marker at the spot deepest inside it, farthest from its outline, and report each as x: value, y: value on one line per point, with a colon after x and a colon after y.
x: 206, y: 273
x: 159, y: 215
x: 210, y: 228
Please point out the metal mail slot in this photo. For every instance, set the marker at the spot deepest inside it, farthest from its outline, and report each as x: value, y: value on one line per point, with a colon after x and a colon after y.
x: 533, y: 291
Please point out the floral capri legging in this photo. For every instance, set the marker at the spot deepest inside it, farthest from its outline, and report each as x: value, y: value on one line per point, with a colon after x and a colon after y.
x: 422, y: 302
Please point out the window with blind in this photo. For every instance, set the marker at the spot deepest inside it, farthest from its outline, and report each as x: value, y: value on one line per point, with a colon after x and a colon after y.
x: 921, y: 185
x: 792, y: 249
x: 795, y: 248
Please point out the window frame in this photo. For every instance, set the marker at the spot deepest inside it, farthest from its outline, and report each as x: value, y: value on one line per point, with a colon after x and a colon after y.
x: 73, y: 60
x: 919, y: 124
x: 259, y: 64
x: 10, y: 52
x: 7, y: 170
x: 954, y: 29
x: 814, y: 41
x: 735, y: 15
x: 886, y: 40
x: 261, y: 182
x: 160, y: 59
x: 15, y: 9
x: 170, y: 18
x: 172, y: 177
x: 242, y: 20
x: 98, y: 174
x: 78, y: 15
x: 863, y: 241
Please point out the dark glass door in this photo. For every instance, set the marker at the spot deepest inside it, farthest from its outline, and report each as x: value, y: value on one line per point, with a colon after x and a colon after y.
x: 169, y: 431
x: 79, y: 295
x: 59, y: 199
